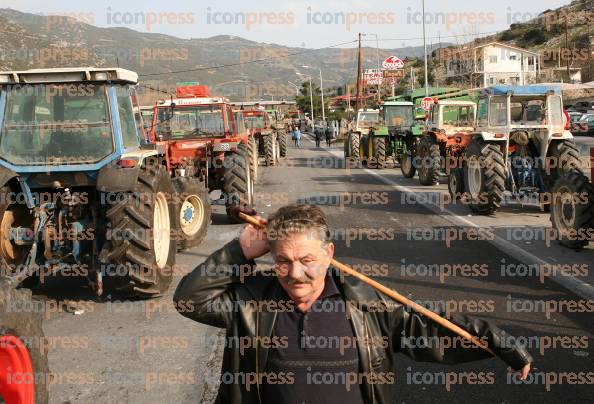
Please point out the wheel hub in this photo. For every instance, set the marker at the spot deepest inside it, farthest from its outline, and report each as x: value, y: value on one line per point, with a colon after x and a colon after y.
x: 191, y: 215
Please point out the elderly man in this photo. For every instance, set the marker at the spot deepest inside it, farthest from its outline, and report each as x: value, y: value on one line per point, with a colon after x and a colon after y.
x: 300, y: 333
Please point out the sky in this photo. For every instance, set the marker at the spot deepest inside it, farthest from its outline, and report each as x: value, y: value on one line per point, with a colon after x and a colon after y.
x: 299, y: 23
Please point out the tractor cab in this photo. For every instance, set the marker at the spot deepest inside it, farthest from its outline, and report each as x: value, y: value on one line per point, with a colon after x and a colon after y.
x: 398, y: 116
x: 450, y: 117
x: 367, y: 119
x: 193, y: 114
x: 257, y: 120
x: 522, y: 113
x: 67, y: 119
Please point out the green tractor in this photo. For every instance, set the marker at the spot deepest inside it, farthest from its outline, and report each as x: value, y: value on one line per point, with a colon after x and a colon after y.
x: 390, y: 133
x: 402, y: 134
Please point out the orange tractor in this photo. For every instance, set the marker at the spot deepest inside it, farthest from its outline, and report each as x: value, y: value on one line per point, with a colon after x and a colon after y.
x: 271, y: 139
x: 444, y: 142
x: 207, y: 148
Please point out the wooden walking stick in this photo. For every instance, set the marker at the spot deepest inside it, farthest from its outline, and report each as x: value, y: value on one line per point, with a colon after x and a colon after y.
x: 393, y: 294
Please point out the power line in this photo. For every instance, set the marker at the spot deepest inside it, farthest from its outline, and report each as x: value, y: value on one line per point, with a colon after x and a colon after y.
x: 248, y: 62
x: 433, y: 37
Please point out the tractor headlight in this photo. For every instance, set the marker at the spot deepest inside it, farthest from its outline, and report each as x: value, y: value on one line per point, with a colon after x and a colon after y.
x: 100, y: 76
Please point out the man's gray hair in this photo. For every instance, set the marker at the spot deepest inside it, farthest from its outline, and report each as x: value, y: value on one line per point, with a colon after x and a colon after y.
x: 298, y: 219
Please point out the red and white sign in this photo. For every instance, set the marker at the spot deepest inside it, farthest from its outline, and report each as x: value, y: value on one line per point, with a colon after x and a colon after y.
x: 393, y: 63
x: 427, y: 103
x: 373, y: 77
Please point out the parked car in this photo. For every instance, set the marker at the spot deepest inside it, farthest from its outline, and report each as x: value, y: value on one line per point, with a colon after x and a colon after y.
x: 582, y: 106
x: 574, y: 116
x: 585, y: 126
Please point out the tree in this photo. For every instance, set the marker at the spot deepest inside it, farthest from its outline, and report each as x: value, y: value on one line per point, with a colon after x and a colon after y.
x: 304, y: 101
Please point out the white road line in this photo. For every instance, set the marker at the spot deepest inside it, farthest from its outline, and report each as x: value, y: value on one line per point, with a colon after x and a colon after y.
x: 579, y: 287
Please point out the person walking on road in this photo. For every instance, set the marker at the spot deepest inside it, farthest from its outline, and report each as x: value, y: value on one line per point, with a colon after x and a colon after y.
x: 328, y: 133
x: 297, y: 137
x: 318, y: 134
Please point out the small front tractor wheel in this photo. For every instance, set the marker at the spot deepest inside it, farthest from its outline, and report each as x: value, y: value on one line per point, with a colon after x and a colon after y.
x: 238, y: 185
x: 572, y: 210
x: 24, y: 369
x: 139, y: 233
x: 283, y: 146
x: 407, y: 161
x: 269, y: 149
x: 456, y: 183
x: 484, y: 176
x: 193, y: 212
x: 430, y: 161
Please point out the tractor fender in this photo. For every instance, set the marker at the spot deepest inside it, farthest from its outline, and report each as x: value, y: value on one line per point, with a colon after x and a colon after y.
x: 564, y: 135
x: 115, y: 178
x: 489, y: 137
x: 6, y: 175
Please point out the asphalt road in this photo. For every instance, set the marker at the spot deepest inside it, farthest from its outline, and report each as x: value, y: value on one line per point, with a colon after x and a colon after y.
x: 144, y: 352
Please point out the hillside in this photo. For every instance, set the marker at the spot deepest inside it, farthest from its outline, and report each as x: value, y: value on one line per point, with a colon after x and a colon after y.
x: 33, y: 41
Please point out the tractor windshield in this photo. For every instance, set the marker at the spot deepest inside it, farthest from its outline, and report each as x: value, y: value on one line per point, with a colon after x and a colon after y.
x: 366, y: 119
x: 400, y: 116
x: 192, y: 122
x: 458, y: 115
x: 254, y: 121
x: 56, y: 124
x: 532, y: 111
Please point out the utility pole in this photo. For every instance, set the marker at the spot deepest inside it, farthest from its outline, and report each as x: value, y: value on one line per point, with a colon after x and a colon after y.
x: 322, y: 89
x: 425, y: 47
x: 311, y: 101
x: 359, y: 74
x: 567, y: 50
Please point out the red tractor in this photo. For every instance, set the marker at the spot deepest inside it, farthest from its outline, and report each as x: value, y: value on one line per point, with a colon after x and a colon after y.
x: 270, y: 139
x: 206, y: 149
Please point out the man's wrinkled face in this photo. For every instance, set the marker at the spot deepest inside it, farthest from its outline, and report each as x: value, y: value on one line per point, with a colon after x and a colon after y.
x: 302, y: 261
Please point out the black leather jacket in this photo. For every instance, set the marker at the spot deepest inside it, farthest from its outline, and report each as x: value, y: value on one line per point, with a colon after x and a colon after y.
x: 210, y: 294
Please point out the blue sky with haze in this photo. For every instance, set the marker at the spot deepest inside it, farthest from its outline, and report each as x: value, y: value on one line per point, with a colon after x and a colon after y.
x: 301, y: 23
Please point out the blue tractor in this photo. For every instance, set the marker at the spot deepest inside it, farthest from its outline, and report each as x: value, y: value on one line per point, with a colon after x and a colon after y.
x: 82, y: 192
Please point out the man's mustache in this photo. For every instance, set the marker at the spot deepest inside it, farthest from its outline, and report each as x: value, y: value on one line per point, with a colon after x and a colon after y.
x: 294, y: 281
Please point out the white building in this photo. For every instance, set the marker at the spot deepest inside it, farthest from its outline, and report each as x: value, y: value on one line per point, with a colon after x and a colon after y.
x: 492, y: 64
x: 498, y: 63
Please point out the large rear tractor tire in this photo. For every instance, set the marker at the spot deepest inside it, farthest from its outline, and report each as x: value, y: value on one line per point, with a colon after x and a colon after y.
x: 352, y: 145
x: 255, y: 159
x: 139, y: 233
x: 430, y: 161
x: 14, y: 256
x: 192, y: 213
x: 378, y: 155
x: 484, y: 176
x: 269, y: 149
x: 565, y: 157
x: 572, y: 210
x: 24, y: 369
x: 238, y: 186
x: 283, y: 143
